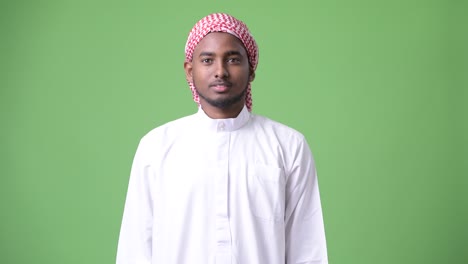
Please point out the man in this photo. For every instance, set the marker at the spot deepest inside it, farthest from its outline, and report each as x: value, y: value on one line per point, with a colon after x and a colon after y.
x: 222, y: 185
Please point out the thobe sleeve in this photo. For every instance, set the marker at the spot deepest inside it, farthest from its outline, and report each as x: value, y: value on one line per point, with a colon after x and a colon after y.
x: 305, y: 235
x: 135, y: 241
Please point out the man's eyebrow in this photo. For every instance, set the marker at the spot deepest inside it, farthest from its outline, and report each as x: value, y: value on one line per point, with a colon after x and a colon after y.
x: 233, y: 52
x: 227, y: 53
x: 206, y: 53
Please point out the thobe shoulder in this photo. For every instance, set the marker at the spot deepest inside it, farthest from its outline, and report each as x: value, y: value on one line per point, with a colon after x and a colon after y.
x: 160, y: 137
x: 279, y: 130
x: 169, y: 129
x: 295, y: 150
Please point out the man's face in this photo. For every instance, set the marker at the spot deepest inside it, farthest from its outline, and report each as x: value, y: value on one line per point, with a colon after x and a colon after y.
x: 220, y: 71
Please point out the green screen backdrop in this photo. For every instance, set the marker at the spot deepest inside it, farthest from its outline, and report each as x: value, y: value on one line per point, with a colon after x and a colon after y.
x: 379, y: 89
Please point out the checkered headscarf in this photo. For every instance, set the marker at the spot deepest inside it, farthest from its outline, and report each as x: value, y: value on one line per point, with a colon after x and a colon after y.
x: 220, y: 22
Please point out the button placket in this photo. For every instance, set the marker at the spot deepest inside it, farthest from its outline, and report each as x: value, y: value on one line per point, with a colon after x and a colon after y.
x: 223, y: 232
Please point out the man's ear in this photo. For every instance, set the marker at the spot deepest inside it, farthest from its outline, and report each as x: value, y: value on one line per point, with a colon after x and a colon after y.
x: 252, y: 75
x: 188, y: 71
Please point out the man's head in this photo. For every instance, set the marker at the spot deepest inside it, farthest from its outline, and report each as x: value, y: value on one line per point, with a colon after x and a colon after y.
x: 220, y: 61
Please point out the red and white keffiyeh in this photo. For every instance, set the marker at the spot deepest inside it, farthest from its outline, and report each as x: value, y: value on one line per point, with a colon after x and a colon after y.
x: 220, y: 22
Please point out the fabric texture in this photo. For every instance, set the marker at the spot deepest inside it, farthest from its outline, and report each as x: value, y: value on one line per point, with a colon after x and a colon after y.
x: 245, y: 191
x: 220, y: 22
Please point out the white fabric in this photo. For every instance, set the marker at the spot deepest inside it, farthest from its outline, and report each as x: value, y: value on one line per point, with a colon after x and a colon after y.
x: 215, y: 191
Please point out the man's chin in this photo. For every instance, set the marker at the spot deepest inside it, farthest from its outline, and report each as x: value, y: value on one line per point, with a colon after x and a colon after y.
x: 222, y: 103
x: 224, y: 100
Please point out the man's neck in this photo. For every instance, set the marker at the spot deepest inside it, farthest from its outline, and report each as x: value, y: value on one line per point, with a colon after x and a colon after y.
x: 222, y: 113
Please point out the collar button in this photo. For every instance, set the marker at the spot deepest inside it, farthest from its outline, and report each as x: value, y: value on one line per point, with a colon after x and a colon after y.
x: 221, y: 126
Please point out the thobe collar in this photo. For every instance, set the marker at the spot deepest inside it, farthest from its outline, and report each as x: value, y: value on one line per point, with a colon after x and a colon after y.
x: 223, y: 125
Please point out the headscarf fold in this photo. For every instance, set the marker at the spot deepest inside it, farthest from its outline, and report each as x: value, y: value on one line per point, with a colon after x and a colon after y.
x: 220, y: 22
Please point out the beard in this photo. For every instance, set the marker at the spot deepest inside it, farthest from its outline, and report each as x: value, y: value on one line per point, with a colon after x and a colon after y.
x: 224, y: 103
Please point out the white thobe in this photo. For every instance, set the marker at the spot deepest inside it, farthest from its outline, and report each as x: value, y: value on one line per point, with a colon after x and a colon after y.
x: 216, y: 191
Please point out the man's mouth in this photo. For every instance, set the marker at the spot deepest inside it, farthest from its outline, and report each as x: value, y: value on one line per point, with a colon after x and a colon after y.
x: 221, y: 86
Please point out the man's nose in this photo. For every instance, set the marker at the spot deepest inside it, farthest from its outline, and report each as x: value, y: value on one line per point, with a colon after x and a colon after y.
x: 221, y: 70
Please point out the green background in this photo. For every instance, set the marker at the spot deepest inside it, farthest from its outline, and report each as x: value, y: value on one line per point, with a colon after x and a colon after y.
x: 379, y: 88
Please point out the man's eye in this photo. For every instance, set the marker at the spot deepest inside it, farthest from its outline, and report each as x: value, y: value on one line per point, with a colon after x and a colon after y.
x: 207, y: 60
x: 233, y: 60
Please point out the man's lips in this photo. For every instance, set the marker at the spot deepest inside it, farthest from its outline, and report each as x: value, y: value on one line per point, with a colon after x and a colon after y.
x: 221, y: 86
